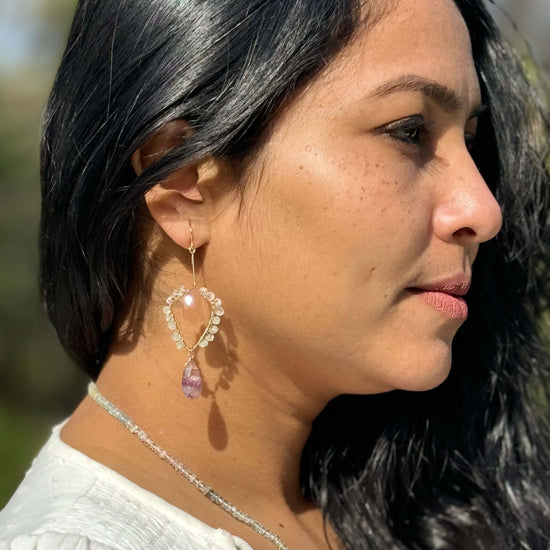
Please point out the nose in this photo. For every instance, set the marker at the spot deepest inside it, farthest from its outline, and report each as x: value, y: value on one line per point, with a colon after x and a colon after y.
x: 466, y: 210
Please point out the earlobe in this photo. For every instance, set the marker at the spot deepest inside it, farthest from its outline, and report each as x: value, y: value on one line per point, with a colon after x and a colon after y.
x: 173, y: 210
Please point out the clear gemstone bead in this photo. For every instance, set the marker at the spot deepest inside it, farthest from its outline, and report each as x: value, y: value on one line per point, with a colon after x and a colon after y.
x: 219, y: 311
x: 210, y: 337
x: 213, y: 329
x: 216, y: 320
x: 217, y: 302
x: 203, y: 343
x: 176, y: 336
x: 211, y: 296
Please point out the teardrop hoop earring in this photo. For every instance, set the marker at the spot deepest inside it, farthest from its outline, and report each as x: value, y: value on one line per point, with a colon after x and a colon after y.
x: 191, y: 383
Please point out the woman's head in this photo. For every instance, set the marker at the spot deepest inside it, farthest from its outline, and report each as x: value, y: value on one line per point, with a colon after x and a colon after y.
x: 232, y: 73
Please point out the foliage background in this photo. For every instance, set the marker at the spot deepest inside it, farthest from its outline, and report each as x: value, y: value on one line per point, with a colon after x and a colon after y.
x: 38, y: 385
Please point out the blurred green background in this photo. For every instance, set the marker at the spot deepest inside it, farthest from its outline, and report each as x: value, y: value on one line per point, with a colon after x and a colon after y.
x: 38, y: 384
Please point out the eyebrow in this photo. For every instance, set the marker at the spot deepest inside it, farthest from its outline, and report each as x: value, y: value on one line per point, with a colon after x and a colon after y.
x: 446, y: 98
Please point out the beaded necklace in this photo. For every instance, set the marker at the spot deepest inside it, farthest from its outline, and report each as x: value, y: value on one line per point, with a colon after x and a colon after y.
x: 206, y: 490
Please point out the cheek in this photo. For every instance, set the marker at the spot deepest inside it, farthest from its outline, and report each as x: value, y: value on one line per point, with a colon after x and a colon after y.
x: 323, y: 209
x: 338, y: 227
x: 330, y: 192
x: 325, y: 245
x: 362, y: 206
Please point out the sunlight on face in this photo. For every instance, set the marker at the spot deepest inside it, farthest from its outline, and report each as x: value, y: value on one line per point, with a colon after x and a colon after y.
x: 365, y: 212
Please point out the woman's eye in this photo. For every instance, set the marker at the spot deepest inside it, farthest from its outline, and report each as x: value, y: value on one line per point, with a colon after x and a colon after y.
x: 413, y: 135
x: 414, y: 130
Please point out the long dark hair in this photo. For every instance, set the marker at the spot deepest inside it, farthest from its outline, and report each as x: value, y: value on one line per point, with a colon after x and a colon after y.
x: 463, y: 466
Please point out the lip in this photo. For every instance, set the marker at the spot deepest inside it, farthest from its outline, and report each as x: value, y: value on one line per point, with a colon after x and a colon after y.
x: 446, y: 296
x: 458, y: 285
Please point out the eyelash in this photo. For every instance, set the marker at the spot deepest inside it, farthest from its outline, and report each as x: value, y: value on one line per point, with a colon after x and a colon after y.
x: 422, y: 130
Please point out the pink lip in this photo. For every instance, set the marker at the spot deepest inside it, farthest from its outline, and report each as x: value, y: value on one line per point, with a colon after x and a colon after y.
x: 446, y: 296
x: 456, y: 286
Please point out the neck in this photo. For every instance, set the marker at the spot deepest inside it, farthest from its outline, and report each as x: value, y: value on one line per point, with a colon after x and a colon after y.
x: 244, y: 434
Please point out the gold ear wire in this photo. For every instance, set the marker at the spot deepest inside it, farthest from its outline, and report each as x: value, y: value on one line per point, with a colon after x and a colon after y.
x: 192, y: 252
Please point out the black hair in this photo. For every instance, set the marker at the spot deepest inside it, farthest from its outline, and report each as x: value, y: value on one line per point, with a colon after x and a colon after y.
x: 462, y: 466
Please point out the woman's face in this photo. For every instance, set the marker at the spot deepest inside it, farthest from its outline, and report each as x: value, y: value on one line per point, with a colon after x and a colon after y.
x: 363, y: 215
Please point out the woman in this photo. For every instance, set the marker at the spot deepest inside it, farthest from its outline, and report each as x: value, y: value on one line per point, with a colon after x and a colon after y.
x: 260, y: 221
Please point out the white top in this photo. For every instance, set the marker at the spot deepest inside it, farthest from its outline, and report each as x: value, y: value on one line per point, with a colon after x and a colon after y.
x: 68, y: 501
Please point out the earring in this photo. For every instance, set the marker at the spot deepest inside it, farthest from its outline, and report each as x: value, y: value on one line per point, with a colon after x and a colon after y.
x: 188, y: 300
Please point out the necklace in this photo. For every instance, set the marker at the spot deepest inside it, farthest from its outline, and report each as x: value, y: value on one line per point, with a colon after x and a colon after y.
x: 207, y: 491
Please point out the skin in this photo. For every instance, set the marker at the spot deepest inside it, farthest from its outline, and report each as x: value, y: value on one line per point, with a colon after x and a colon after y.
x: 342, y: 215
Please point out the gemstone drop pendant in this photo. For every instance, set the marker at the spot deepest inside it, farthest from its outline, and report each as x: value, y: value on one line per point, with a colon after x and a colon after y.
x: 191, y: 382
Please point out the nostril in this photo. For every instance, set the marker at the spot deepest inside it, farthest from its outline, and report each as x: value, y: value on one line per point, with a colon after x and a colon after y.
x: 465, y: 231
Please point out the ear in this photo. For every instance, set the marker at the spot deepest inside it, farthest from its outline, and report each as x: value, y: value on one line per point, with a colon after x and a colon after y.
x: 177, y: 201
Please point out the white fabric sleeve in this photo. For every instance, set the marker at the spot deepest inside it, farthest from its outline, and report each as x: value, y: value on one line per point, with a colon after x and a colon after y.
x: 51, y: 541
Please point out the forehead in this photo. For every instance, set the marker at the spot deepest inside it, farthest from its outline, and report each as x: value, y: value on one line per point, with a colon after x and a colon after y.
x: 428, y: 38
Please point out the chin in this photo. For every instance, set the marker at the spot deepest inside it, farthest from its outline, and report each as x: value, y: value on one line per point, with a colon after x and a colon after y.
x: 410, y: 367
x: 427, y: 375
x: 421, y: 367
x: 418, y: 376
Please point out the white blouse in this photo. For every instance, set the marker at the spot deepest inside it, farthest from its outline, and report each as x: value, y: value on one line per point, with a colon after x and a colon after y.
x: 68, y: 501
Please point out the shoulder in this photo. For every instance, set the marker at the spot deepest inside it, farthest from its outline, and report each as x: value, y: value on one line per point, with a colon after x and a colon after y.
x: 86, y: 505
